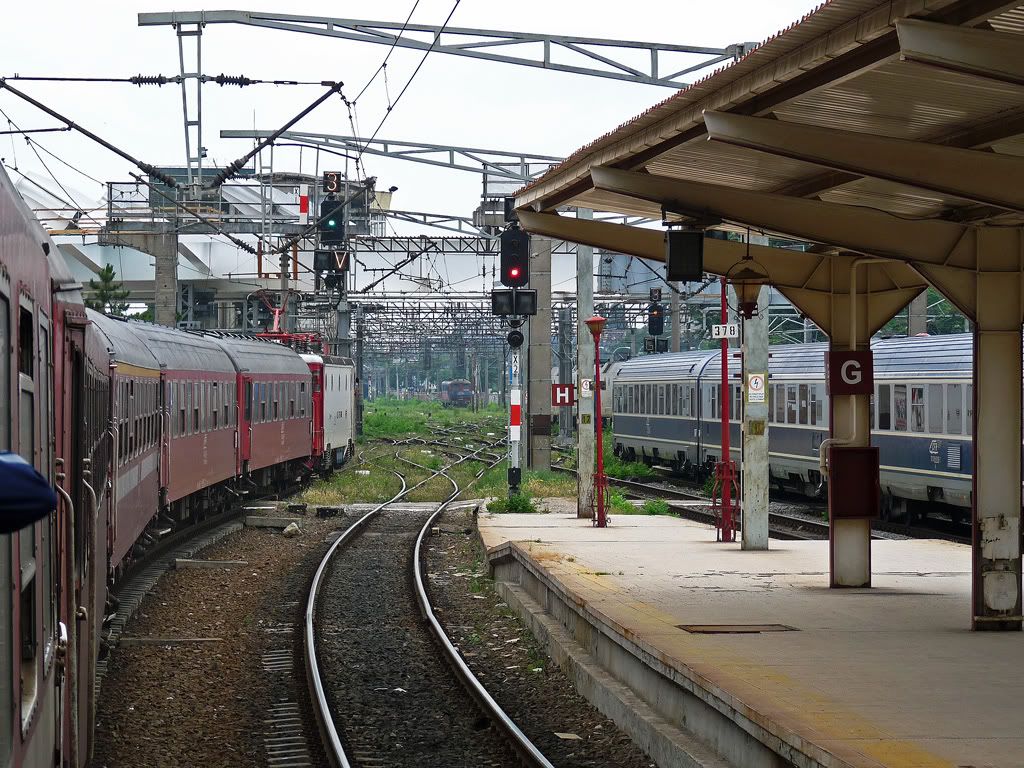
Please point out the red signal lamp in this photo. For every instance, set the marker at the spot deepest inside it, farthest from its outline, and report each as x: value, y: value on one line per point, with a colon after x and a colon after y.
x: 514, y: 272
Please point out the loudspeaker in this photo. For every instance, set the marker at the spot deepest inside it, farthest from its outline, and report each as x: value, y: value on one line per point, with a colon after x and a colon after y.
x: 684, y: 255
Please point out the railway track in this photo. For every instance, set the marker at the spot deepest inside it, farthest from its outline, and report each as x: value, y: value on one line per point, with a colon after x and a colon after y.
x: 789, y: 524
x: 361, y: 630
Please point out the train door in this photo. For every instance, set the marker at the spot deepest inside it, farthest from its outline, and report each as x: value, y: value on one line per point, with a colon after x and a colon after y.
x: 245, y: 421
x: 83, y: 622
x: 166, y: 410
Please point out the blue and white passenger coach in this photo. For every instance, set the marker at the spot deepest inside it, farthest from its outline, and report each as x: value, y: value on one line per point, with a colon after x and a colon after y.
x: 667, y: 411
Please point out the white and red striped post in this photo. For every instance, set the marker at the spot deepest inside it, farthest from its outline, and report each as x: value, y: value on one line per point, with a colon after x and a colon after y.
x: 304, y: 204
x: 515, y: 421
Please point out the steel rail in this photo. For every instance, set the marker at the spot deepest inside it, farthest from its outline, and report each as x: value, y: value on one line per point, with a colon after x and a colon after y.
x: 527, y: 751
x: 333, y: 746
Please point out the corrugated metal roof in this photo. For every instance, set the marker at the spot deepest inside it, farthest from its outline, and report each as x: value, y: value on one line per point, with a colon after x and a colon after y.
x: 257, y: 356
x: 877, y: 93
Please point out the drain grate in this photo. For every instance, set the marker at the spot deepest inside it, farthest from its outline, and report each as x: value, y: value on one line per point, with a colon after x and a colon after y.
x: 734, y: 629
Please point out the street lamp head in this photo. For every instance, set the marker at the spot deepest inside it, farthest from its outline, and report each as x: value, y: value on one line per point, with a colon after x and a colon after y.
x: 596, y: 325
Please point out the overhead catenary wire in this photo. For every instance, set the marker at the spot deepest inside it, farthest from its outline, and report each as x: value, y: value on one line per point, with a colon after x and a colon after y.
x: 437, y: 37
x: 142, y: 166
x: 232, y: 168
x: 160, y: 80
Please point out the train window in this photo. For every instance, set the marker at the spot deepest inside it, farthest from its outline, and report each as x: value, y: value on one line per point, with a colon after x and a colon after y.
x: 693, y: 401
x: 49, y: 557
x: 5, y: 392
x: 954, y: 409
x: 969, y: 410
x: 780, y: 403
x: 248, y: 400
x: 899, y: 407
x: 817, y: 406
x: 713, y: 393
x: 44, y: 400
x: 917, y: 409
x: 804, y: 398
x: 29, y: 642
x: 661, y: 400
x: 26, y: 354
x: 791, y: 410
x: 263, y: 402
x: 936, y: 419
x: 195, y: 405
x: 6, y: 652
x: 302, y: 398
x: 737, y: 398
x: 181, y: 408
x: 884, y: 406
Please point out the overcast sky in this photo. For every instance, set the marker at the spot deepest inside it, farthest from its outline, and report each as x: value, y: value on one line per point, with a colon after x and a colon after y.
x: 453, y: 100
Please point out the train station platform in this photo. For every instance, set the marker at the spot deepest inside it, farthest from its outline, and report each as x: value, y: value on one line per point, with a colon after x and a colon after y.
x: 755, y: 656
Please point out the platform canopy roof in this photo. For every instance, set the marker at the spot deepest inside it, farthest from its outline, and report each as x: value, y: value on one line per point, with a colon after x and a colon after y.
x: 911, y: 108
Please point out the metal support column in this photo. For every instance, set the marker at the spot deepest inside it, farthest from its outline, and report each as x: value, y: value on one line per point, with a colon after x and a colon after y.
x: 676, y: 317
x: 360, y: 390
x: 754, y: 466
x: 564, y: 373
x: 343, y: 325
x: 538, y: 397
x: 585, y: 436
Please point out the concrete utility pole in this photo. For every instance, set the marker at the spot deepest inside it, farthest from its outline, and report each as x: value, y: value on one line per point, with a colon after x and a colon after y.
x: 585, y: 449
x: 676, y: 317
x: 538, y: 397
x: 917, y: 315
x: 754, y: 466
x: 564, y: 374
x: 163, y: 247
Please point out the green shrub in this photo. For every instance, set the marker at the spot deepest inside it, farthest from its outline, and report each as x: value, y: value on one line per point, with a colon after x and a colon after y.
x: 656, y: 507
x: 518, y: 503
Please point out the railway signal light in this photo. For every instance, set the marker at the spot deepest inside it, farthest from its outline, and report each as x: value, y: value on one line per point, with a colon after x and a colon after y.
x: 515, y: 339
x: 655, y: 319
x: 515, y: 257
x: 505, y: 303
x: 331, y: 222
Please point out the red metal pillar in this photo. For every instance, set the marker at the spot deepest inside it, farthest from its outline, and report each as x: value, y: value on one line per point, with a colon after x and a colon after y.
x: 596, y: 324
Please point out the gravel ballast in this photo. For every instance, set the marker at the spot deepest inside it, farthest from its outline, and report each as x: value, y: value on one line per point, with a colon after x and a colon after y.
x: 209, y: 653
x: 507, y: 660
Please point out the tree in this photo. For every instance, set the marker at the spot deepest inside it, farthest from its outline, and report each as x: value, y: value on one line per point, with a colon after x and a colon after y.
x: 943, y: 318
x: 107, y: 294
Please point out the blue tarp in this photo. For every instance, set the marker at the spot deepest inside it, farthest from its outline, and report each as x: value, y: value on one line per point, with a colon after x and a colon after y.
x: 25, y: 495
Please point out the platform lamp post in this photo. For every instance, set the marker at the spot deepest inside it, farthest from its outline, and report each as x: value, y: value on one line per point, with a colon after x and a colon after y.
x: 596, y: 325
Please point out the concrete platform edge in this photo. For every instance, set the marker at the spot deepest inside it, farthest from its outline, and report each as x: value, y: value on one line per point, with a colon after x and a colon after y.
x: 739, y: 734
x: 668, y: 745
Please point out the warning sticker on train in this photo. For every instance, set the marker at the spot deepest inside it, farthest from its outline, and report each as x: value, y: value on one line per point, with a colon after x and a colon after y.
x: 755, y: 387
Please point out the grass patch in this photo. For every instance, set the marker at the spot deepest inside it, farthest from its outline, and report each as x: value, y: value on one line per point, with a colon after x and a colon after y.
x: 656, y: 507
x: 389, y: 418
x: 518, y: 503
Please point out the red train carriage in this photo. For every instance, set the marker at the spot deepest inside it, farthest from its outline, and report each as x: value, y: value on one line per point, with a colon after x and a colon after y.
x: 198, y: 406
x: 333, y: 408
x: 275, y: 414
x: 31, y: 708
x: 134, y: 379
